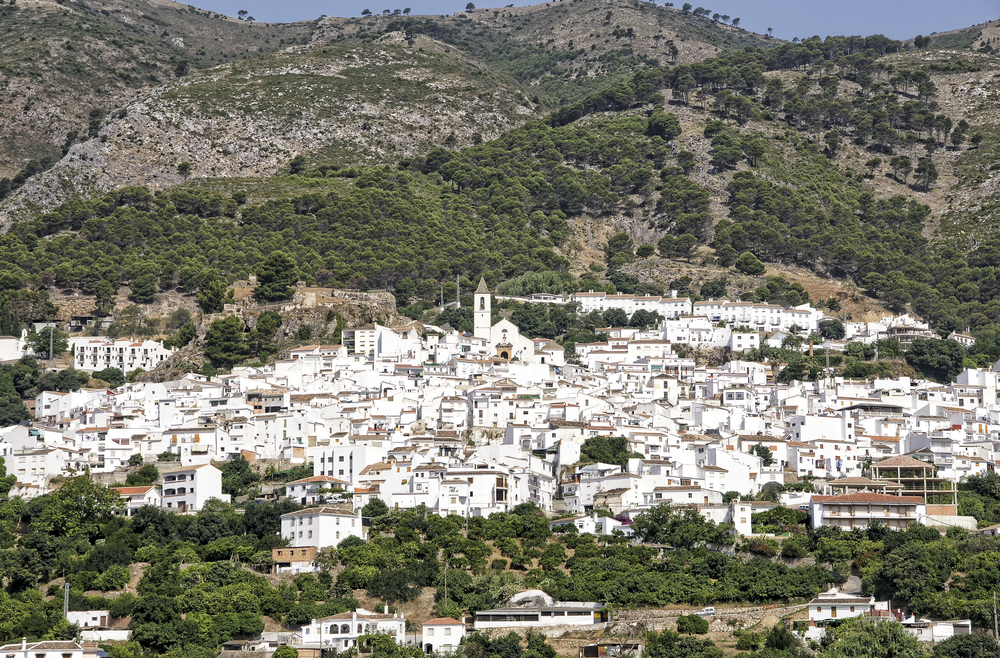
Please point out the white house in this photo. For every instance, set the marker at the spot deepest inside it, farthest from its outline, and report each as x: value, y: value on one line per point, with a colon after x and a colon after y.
x: 442, y: 635
x: 561, y: 614
x: 48, y: 649
x: 837, y: 605
x: 341, y: 631
x: 188, y: 488
x: 857, y: 510
x: 320, y: 526
x: 534, y: 609
x: 593, y: 524
x: 307, y: 490
x: 138, y: 497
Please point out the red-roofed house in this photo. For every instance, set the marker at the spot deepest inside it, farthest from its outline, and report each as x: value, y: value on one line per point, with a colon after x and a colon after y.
x: 307, y: 490
x: 138, y: 497
x: 442, y: 635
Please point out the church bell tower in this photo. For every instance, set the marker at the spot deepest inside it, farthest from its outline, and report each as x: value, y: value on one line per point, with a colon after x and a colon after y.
x: 482, y: 312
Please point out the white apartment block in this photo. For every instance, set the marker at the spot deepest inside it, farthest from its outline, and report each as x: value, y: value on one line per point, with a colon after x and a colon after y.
x: 321, y: 527
x: 668, y: 307
x: 92, y: 354
x: 187, y: 488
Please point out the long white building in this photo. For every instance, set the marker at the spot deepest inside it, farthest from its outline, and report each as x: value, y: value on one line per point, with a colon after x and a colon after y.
x: 125, y: 354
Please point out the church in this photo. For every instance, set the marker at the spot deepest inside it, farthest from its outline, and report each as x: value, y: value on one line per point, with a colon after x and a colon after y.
x: 503, y: 339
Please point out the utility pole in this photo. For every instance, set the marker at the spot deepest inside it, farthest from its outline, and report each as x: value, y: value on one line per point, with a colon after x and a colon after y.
x: 458, y: 291
x: 52, y: 357
x: 65, y: 599
x: 827, y: 351
x: 996, y: 634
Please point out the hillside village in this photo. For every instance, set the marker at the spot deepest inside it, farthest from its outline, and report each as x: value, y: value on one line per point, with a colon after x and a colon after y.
x: 728, y: 385
x: 475, y: 425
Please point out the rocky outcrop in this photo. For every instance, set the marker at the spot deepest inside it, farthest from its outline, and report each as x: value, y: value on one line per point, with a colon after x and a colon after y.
x: 370, y: 102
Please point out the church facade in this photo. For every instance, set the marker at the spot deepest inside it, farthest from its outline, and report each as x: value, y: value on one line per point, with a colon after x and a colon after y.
x: 503, y: 339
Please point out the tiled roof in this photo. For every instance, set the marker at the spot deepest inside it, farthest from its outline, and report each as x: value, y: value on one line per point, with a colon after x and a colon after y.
x: 903, y: 461
x: 350, y: 615
x: 132, y: 491
x: 442, y: 621
x: 318, y: 478
x: 335, y: 511
x: 865, y: 497
x: 838, y: 601
x: 43, y: 646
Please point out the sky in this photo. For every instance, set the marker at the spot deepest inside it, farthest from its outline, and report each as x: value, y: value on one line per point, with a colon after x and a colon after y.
x: 896, y: 19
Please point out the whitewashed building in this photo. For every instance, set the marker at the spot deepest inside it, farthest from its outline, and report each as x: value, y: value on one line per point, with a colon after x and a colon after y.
x: 341, y: 631
x: 188, y: 488
x: 838, y: 605
x: 138, y: 497
x: 441, y: 635
x: 92, y: 354
x: 321, y: 526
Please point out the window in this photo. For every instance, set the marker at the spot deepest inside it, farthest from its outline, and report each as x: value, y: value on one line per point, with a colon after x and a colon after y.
x: 447, y: 631
x: 310, y: 534
x: 430, y: 632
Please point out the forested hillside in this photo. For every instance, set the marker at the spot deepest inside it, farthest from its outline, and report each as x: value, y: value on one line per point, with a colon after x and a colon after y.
x: 832, y: 168
x: 565, y: 50
x: 864, y: 159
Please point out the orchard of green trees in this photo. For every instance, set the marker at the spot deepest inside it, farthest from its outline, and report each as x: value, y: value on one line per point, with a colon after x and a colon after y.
x: 78, y: 533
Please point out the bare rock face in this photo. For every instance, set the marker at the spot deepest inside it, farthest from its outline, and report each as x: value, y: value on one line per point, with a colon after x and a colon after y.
x: 352, y: 104
x: 319, y: 309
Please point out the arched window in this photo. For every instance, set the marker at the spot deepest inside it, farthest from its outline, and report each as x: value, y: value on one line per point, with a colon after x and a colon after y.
x: 482, y: 303
x: 345, y: 628
x: 359, y: 629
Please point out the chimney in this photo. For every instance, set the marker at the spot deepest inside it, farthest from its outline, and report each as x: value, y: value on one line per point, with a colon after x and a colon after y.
x: 24, y: 644
x: 386, y: 608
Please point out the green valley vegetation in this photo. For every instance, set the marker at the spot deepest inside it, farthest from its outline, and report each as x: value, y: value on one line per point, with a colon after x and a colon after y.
x: 75, y: 533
